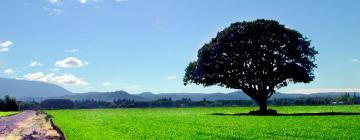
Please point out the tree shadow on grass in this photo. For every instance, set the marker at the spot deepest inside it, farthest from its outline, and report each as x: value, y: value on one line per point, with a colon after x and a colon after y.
x: 292, y: 114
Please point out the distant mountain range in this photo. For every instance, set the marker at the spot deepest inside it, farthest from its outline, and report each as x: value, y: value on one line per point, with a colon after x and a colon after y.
x: 32, y: 90
x: 103, y: 96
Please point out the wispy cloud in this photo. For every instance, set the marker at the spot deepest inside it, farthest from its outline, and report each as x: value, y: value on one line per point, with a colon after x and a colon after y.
x: 53, y: 11
x: 70, y: 62
x: 171, y: 77
x: 64, y: 79
x: 54, y: 1
x: 9, y: 71
x: 120, y: 0
x: 82, y: 1
x: 354, y: 60
x: 5, y: 45
x: 106, y: 83
x: 73, y: 50
x: 35, y: 64
x: 54, y: 69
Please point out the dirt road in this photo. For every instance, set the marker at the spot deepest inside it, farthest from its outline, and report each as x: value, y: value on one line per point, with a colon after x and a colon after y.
x: 28, y: 125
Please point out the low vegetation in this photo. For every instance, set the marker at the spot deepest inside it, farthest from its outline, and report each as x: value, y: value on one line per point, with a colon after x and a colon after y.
x: 200, y: 123
x: 7, y: 113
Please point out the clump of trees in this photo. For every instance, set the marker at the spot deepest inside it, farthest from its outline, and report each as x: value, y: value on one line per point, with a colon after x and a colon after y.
x: 8, y: 104
x: 254, y: 56
x: 29, y: 105
x: 344, y: 99
x: 347, y: 99
x: 57, y: 104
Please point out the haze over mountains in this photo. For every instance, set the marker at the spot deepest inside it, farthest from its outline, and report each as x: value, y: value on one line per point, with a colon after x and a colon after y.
x: 32, y: 90
x: 23, y: 89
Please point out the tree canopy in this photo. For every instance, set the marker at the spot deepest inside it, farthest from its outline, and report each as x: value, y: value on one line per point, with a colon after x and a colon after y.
x: 255, y: 56
x: 8, y: 104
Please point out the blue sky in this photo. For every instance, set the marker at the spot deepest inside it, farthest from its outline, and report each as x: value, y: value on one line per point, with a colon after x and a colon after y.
x: 145, y: 45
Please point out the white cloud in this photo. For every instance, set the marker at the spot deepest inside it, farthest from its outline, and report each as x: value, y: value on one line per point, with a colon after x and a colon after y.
x: 70, y: 62
x: 120, y: 0
x: 171, y: 77
x: 38, y: 76
x: 355, y: 60
x: 106, y: 83
x: 82, y: 1
x: 35, y: 63
x: 73, y: 50
x: 69, y: 79
x: 54, y: 1
x: 53, y: 11
x: 64, y: 79
x: 319, y: 90
x: 5, y: 45
x: 9, y: 72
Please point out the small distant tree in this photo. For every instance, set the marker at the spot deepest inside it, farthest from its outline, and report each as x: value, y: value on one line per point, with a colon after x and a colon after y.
x: 256, y: 56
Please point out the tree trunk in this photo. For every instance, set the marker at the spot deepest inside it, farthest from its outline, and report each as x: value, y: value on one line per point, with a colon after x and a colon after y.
x: 263, y: 106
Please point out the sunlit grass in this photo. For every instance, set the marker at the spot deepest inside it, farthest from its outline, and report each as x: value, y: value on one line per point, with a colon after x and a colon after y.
x: 6, y: 113
x: 196, y: 123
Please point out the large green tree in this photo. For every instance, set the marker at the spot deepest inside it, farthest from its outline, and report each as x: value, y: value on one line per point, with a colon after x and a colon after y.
x: 254, y: 56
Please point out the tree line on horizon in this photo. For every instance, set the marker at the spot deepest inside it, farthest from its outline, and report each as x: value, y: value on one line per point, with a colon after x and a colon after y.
x: 8, y: 104
x: 344, y: 99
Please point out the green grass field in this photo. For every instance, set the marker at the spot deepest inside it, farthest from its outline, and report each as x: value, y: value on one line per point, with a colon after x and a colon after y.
x: 196, y: 123
x: 6, y: 113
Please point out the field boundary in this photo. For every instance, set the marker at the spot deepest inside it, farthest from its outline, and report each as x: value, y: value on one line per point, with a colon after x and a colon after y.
x: 290, y: 114
x: 57, y: 129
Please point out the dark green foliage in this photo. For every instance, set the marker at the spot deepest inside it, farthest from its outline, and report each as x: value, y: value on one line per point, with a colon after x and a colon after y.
x: 57, y: 104
x: 29, y: 105
x: 8, y: 104
x: 93, y: 104
x: 257, y: 56
x: 346, y: 99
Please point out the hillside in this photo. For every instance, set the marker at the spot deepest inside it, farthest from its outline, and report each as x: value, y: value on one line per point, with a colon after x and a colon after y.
x: 30, y: 90
x: 103, y: 96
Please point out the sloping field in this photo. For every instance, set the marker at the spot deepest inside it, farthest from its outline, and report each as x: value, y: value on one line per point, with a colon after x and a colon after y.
x: 197, y: 123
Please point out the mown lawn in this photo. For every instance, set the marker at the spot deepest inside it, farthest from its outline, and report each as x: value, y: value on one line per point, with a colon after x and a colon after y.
x: 6, y: 113
x: 196, y: 123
